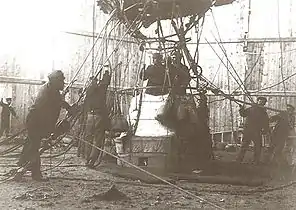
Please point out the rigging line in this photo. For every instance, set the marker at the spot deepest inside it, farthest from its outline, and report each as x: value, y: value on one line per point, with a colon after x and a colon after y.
x: 238, y: 79
x: 199, y: 33
x: 238, y: 101
x: 196, y: 21
x: 166, y: 75
x: 155, y: 176
x: 216, y: 73
x: 292, y: 75
x: 231, y: 108
x: 90, y: 51
x: 102, y: 41
x: 271, y: 53
x: 217, y: 100
x: 253, y: 67
x: 106, y: 60
x: 128, y: 29
x: 224, y: 51
x: 55, y: 166
x: 228, y: 69
x: 281, y: 47
x: 13, y: 172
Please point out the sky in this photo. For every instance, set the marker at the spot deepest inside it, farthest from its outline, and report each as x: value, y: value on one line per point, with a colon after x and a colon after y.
x: 29, y: 28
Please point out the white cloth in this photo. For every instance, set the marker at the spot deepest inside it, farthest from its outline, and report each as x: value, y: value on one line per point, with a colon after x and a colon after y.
x: 147, y: 125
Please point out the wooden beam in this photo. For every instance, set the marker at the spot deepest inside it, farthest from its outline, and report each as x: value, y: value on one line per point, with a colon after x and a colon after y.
x: 27, y: 81
x: 90, y: 35
x: 252, y: 40
x: 262, y: 93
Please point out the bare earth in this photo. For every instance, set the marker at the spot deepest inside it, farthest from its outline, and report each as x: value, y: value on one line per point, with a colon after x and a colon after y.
x: 73, y: 186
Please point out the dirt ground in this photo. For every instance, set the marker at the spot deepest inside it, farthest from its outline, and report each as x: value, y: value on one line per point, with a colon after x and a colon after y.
x: 73, y: 186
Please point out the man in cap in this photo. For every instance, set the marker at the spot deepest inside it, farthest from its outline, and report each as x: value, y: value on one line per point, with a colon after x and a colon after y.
x: 41, y: 122
x: 284, y: 123
x: 256, y: 124
x: 158, y: 78
x: 7, y: 109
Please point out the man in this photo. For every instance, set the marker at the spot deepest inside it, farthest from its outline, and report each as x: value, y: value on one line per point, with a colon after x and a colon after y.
x: 157, y: 76
x: 41, y: 123
x: 256, y: 124
x: 97, y: 118
x: 284, y: 124
x: 85, y: 108
x: 181, y: 74
x: 176, y: 107
x: 7, y: 109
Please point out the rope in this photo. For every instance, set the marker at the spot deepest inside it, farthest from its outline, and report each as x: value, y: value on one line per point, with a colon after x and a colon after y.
x: 224, y: 52
x: 7, y: 140
x: 276, y: 84
x: 231, y: 109
x: 107, y: 59
x: 281, y: 46
x: 240, y: 84
x: 253, y: 67
x: 196, y: 54
x: 88, y: 54
x: 156, y: 177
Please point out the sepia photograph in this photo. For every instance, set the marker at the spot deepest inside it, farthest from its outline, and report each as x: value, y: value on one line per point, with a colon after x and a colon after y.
x: 147, y: 104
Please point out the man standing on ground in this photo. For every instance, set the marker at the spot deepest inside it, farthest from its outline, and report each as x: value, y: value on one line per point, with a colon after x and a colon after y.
x: 41, y: 123
x: 7, y: 109
x: 284, y: 124
x: 257, y: 123
x: 97, y: 118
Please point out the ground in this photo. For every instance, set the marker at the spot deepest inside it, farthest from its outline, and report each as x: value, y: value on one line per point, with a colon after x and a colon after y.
x: 73, y: 186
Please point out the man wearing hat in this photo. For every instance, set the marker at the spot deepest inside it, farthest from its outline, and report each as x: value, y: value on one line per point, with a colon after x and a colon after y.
x: 158, y: 79
x: 41, y: 121
x: 284, y: 123
x: 7, y: 109
x: 256, y: 124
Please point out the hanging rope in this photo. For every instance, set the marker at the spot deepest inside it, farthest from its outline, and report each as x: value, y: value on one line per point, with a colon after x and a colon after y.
x: 224, y: 52
x: 253, y: 67
x: 281, y: 47
x: 88, y: 54
x: 239, y: 83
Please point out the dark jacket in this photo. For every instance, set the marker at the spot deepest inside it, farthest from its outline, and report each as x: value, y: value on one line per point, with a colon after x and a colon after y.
x: 156, y: 77
x: 181, y: 78
x: 6, y: 111
x: 284, y: 122
x: 95, y: 100
x: 45, y: 111
x: 256, y: 119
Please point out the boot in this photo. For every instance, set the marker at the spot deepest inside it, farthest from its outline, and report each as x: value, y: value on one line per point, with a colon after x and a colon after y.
x: 19, y: 175
x: 38, y: 177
